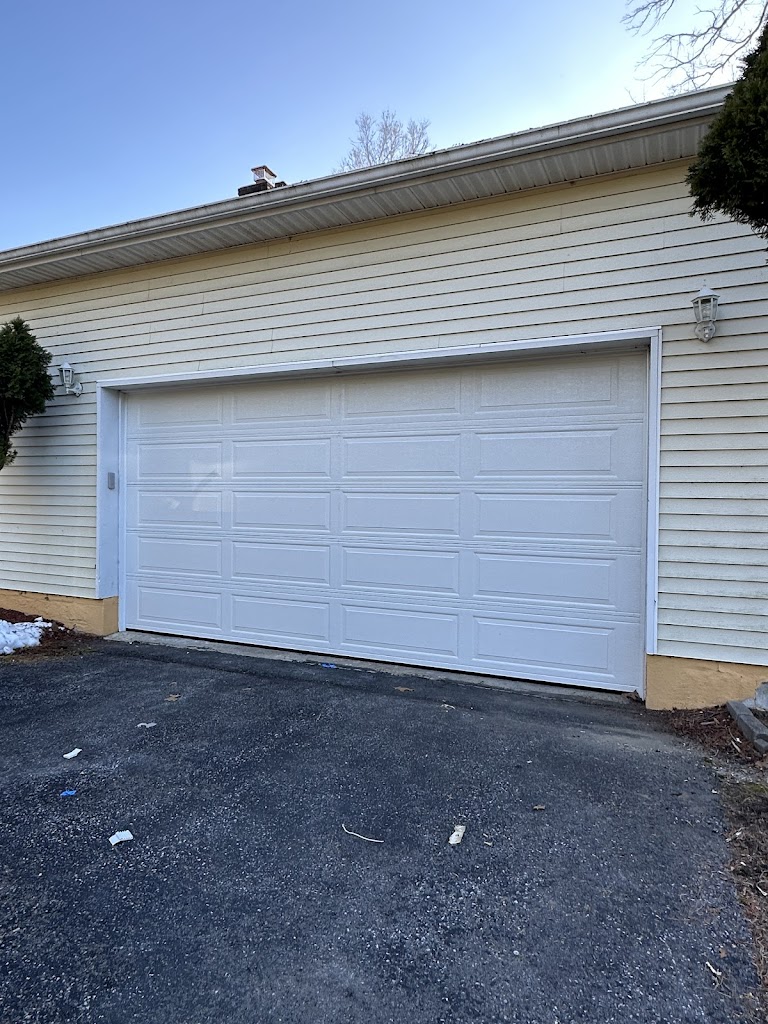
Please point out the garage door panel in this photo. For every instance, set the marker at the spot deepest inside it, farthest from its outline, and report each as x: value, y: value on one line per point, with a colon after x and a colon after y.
x: 399, y: 631
x: 179, y: 605
x: 275, y: 621
x: 174, y: 508
x: 391, y: 397
x: 574, y: 517
x: 296, y: 457
x: 575, y: 454
x: 583, y: 580
x: 288, y: 563
x: 567, y: 389
x: 430, y: 572
x: 296, y: 400
x: 421, y: 456
x: 203, y: 407
x: 404, y: 513
x: 295, y: 510
x: 604, y: 655
x: 540, y: 644
x: 171, y: 555
x: 165, y: 461
x: 485, y: 518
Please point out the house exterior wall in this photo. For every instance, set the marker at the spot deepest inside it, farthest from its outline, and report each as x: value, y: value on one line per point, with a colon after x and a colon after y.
x: 604, y: 255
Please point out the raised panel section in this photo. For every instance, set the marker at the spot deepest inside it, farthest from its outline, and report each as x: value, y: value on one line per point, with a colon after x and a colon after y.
x: 546, y: 516
x: 571, y: 385
x: 431, y: 572
x: 282, y: 563
x: 194, y: 462
x: 397, y: 395
x: 185, y: 408
x: 188, y: 608
x: 394, y: 630
x: 420, y: 457
x: 167, y: 555
x: 282, y: 401
x: 176, y: 508
x: 402, y: 513
x: 297, y: 457
x: 571, y: 454
x: 292, y: 511
x: 541, y: 644
x: 530, y: 577
x: 281, y: 620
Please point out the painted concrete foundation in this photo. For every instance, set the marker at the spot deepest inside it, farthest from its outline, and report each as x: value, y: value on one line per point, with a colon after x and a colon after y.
x: 88, y: 614
x: 692, y: 683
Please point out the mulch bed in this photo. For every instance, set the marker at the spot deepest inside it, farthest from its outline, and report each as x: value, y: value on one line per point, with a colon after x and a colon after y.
x: 744, y: 792
x: 58, y: 640
x: 714, y: 729
x: 746, y: 804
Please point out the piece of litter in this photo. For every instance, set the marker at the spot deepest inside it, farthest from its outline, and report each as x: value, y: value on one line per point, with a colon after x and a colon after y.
x: 73, y: 753
x: 358, y: 836
x: 173, y: 696
x: 120, y: 837
x: 717, y: 974
x: 67, y: 792
x: 539, y: 807
x: 404, y: 689
x: 146, y: 725
x: 447, y: 707
x: 327, y: 664
x: 486, y: 843
x: 457, y: 835
x: 761, y: 891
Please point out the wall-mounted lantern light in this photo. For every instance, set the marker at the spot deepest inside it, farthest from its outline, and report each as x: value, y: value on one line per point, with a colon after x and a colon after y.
x: 705, y: 309
x: 70, y: 385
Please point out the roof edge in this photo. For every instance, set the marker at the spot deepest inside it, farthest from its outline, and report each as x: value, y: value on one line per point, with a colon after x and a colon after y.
x: 699, y: 105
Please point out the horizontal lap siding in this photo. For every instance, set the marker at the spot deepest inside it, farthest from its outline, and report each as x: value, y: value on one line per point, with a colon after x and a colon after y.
x: 600, y: 256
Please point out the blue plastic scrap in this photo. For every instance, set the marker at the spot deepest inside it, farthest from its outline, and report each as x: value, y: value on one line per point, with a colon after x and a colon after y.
x: 327, y: 664
x: 68, y: 792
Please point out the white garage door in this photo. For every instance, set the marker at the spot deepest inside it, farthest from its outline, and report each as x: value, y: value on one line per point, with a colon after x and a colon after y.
x: 488, y: 518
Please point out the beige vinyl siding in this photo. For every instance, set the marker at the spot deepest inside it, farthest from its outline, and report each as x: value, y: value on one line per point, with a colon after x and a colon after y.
x: 604, y: 255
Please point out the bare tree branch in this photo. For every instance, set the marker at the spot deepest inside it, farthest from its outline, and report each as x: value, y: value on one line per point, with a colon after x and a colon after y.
x: 379, y: 141
x: 710, y: 50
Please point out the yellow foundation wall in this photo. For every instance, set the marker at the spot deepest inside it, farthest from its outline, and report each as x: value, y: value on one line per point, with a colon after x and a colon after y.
x: 692, y: 683
x: 88, y: 614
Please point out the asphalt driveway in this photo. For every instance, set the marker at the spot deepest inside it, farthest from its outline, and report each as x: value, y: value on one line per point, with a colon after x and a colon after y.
x: 590, y: 885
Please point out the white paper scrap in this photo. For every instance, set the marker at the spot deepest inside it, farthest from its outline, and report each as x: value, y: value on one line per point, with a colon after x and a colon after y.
x: 120, y: 837
x: 458, y: 834
x: 73, y: 753
x: 146, y: 725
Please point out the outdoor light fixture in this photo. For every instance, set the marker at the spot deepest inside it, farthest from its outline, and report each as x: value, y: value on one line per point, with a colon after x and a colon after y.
x: 70, y: 385
x: 705, y: 308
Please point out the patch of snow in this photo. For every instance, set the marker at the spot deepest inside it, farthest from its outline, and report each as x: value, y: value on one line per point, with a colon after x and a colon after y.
x: 14, y: 636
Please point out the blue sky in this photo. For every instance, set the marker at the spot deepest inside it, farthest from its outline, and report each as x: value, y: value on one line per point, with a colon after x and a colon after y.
x: 112, y: 112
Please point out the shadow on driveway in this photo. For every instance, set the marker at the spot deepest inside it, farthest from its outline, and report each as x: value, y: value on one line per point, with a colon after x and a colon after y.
x: 241, y: 899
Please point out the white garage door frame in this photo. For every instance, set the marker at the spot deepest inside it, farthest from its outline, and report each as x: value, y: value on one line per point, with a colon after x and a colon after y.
x: 111, y: 406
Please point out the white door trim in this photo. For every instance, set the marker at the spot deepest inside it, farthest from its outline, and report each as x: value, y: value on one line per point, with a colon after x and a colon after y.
x: 110, y: 446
